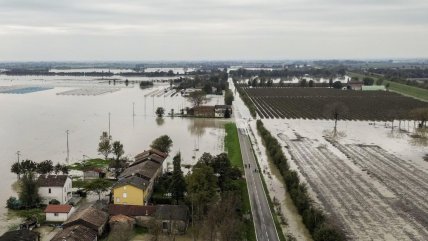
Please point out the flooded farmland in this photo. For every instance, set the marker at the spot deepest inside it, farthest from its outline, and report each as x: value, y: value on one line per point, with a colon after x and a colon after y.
x: 35, y: 122
x: 372, y: 183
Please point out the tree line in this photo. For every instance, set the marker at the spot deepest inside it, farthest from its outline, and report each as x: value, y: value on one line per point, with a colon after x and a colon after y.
x: 245, y: 98
x: 287, y: 73
x: 212, y: 192
x: 320, y: 227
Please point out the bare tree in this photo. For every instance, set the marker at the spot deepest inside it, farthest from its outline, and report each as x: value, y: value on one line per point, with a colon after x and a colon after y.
x: 197, y: 98
x: 421, y: 115
x: 337, y: 110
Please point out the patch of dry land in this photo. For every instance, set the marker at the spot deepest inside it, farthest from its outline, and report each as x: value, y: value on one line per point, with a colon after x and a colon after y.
x: 371, y: 179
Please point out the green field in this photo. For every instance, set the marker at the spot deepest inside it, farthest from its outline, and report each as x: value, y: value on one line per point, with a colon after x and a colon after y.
x: 408, y: 90
x: 233, y: 149
x: 403, y: 89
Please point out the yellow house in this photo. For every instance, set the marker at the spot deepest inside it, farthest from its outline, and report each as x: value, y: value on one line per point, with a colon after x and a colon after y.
x: 130, y: 191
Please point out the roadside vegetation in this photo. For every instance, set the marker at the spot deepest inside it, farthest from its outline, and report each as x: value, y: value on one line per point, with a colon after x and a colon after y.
x: 318, y: 224
x: 246, y: 99
x: 234, y: 153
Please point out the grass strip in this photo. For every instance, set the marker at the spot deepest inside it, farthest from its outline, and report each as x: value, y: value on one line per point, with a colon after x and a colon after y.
x: 233, y: 148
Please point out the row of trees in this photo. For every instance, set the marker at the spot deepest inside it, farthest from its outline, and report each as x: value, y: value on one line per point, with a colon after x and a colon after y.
x: 214, y: 196
x: 313, y: 218
x: 26, y: 170
x: 288, y: 73
x: 245, y: 98
x: 212, y: 193
x: 228, y: 97
x: 45, y: 167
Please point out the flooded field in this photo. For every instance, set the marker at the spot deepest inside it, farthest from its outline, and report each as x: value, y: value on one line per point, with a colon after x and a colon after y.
x: 35, y: 123
x: 371, y: 181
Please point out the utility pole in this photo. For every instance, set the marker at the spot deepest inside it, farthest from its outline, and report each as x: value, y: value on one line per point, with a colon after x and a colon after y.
x: 109, y: 124
x: 133, y: 108
x: 18, y: 153
x: 68, y: 148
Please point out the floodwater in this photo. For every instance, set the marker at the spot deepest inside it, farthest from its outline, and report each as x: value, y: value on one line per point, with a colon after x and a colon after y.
x: 276, y: 188
x: 35, y: 124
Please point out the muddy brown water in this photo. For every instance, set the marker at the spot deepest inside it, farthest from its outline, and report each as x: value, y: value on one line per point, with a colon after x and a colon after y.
x: 35, y: 124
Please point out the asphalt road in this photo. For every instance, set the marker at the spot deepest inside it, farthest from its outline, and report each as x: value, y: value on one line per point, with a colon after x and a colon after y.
x: 262, y: 216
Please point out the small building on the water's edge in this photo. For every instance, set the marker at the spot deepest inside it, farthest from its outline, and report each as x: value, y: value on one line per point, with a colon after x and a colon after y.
x: 55, y: 187
x: 217, y: 111
x: 58, y: 213
x: 223, y: 111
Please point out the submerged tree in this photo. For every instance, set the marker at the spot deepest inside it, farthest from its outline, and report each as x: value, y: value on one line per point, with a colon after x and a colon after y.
x: 104, y: 147
x: 29, y: 193
x: 197, y: 98
x: 162, y: 143
x: 337, y: 110
x: 16, y: 168
x: 160, y: 111
x: 420, y: 114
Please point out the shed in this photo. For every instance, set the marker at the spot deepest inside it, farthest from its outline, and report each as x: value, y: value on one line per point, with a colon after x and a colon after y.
x: 90, y: 217
x: 58, y: 213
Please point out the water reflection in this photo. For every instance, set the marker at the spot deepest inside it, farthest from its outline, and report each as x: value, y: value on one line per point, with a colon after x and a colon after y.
x: 160, y: 121
x: 419, y: 137
x: 198, y: 126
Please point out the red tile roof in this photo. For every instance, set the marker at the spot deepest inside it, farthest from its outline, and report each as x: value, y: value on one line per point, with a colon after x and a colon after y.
x: 58, y: 208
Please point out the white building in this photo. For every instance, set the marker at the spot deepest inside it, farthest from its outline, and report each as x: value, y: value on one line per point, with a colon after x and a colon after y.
x: 56, y: 187
x: 58, y: 213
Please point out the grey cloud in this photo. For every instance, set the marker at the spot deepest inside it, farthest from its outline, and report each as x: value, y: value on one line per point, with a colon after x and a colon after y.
x: 281, y: 26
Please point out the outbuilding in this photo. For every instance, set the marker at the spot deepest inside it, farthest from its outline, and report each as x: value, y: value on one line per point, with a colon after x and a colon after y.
x: 58, y: 213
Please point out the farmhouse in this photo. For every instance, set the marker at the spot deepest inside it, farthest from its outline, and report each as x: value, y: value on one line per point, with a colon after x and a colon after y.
x: 131, y: 190
x: 202, y: 111
x: 76, y: 233
x: 92, y: 218
x: 58, y: 213
x: 355, y: 85
x: 222, y: 110
x: 20, y: 235
x: 136, y: 182
x: 56, y: 187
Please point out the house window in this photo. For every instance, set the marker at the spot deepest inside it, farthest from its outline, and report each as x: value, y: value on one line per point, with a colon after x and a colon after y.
x: 50, y: 190
x: 124, y: 195
x: 124, y: 188
x: 56, y: 214
x: 164, y: 225
x: 117, y: 200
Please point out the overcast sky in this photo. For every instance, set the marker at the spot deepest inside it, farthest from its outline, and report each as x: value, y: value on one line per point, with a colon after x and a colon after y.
x: 212, y: 30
